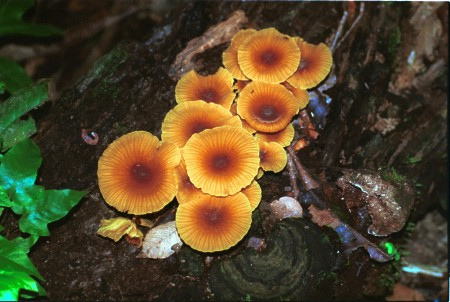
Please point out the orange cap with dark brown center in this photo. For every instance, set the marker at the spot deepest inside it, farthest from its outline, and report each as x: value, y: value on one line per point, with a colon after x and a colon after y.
x: 315, y: 65
x: 136, y: 173
x: 216, y: 88
x: 266, y: 107
x: 188, y: 118
x: 221, y: 161
x: 268, y: 56
x: 214, y: 223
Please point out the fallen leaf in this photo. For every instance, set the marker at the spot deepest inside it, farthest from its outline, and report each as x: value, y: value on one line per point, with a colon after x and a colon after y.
x: 286, y: 207
x: 350, y: 238
x: 161, y: 242
x: 116, y: 228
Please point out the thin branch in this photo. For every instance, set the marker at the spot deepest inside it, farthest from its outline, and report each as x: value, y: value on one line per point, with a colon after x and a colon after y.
x: 292, y: 177
x: 339, y: 31
x: 358, y: 18
x: 307, y: 180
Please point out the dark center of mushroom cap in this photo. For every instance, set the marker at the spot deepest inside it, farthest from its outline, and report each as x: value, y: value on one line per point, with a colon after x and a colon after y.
x: 141, y: 173
x: 220, y: 162
x: 304, y: 63
x: 262, y: 155
x: 199, y: 127
x: 209, y: 95
x: 267, y: 113
x: 213, y: 216
x: 269, y: 57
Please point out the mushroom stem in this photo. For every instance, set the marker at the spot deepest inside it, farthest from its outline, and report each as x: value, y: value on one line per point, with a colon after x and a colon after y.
x: 307, y: 180
x: 292, y: 177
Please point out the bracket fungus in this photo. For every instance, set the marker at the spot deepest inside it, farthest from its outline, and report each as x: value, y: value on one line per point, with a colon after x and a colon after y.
x: 289, y: 267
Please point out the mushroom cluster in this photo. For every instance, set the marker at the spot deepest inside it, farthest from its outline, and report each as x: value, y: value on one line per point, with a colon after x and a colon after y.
x: 226, y: 130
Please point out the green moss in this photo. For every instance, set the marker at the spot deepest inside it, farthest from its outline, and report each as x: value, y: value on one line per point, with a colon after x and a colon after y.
x: 392, y: 175
x: 394, y: 40
x: 106, y: 90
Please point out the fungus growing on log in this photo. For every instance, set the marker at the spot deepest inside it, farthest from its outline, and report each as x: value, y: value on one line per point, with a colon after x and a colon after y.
x: 268, y: 56
x: 283, y: 137
x: 136, y: 173
x: 230, y: 56
x: 214, y: 223
x: 188, y: 118
x: 266, y: 107
x: 315, y: 65
x: 216, y: 88
x: 221, y: 161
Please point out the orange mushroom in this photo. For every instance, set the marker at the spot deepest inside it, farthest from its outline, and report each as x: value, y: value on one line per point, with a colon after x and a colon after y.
x: 188, y: 118
x: 253, y: 193
x: 268, y: 56
x: 136, y: 173
x: 230, y: 56
x: 266, y: 107
x: 301, y: 95
x: 273, y: 156
x: 214, y: 223
x: 186, y: 189
x: 216, y: 88
x: 221, y: 161
x: 245, y: 125
x: 315, y: 65
x: 283, y: 137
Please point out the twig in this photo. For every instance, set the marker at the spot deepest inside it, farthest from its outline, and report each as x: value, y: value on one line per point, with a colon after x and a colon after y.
x: 353, y: 26
x: 308, y: 182
x: 292, y: 177
x: 215, y: 35
x: 339, y: 31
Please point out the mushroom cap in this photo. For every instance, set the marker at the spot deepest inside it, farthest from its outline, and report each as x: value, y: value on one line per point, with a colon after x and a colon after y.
x: 260, y: 173
x: 273, y: 156
x: 266, y: 107
x: 284, y: 137
x: 253, y: 193
x: 187, y: 118
x: 216, y: 88
x: 214, y: 223
x: 230, y: 55
x: 136, y: 173
x: 245, y: 125
x: 315, y: 65
x: 268, y: 56
x: 186, y: 189
x: 221, y: 161
x: 301, y: 95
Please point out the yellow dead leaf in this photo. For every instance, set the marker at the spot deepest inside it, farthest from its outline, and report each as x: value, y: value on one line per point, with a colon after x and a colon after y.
x: 116, y: 228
